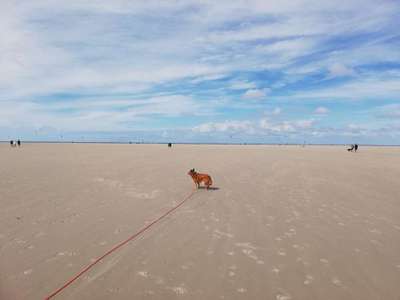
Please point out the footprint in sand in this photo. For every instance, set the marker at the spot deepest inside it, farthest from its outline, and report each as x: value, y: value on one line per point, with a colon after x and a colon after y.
x: 281, y: 253
x: 309, y: 279
x: 27, y: 272
x: 290, y: 234
x: 144, y: 274
x: 249, y: 253
x: 336, y: 281
x: 324, y: 261
x: 149, y: 292
x: 19, y: 241
x: 375, y: 242
x: 275, y: 270
x: 296, y: 214
x: 179, y: 290
x: 219, y: 234
x: 40, y: 234
x: 101, y: 270
x: 246, y: 245
x: 283, y: 297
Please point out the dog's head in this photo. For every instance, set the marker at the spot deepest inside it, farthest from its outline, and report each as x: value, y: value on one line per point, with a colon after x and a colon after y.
x: 191, y: 172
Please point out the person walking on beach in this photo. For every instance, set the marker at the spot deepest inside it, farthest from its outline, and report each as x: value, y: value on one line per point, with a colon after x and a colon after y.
x: 19, y: 143
x: 355, y: 147
x: 12, y: 143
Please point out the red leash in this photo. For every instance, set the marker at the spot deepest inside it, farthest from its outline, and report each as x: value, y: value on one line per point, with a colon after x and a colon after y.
x: 87, y: 268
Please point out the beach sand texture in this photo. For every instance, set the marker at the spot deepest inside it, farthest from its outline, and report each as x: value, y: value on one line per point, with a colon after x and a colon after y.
x: 287, y: 222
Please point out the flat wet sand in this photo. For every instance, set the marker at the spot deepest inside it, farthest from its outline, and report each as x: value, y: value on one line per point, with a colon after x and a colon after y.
x: 286, y: 222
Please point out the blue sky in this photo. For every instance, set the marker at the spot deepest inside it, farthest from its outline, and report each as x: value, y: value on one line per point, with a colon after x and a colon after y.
x: 201, y: 71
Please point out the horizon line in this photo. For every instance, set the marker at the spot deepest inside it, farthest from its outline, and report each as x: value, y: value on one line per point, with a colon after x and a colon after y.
x: 196, y: 143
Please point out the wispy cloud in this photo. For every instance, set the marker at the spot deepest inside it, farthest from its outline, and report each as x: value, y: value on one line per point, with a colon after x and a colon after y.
x: 321, y: 110
x: 255, y: 94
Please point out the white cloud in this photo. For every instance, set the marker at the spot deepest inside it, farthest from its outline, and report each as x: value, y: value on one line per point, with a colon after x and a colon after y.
x: 106, y: 114
x: 255, y: 127
x: 85, y: 55
x: 304, y: 124
x: 255, y: 94
x: 276, y: 111
x: 391, y: 111
x: 321, y: 110
x: 369, y: 87
x: 242, y: 85
x: 340, y: 70
x: 226, y: 126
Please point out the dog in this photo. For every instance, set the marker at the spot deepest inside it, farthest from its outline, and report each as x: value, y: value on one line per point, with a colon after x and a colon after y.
x: 200, y: 178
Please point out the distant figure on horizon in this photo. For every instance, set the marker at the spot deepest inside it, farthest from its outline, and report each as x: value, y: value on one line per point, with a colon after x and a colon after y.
x: 19, y: 143
x: 351, y: 148
x: 355, y: 147
x: 169, y: 145
x: 12, y: 143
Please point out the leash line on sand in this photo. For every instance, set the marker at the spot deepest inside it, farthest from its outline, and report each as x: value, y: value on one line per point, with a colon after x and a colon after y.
x: 132, y: 237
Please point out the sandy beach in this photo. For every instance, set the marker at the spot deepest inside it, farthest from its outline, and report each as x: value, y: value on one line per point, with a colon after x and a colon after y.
x: 286, y: 222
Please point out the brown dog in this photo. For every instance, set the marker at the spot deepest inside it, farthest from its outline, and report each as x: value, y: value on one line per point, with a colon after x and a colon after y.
x: 200, y: 178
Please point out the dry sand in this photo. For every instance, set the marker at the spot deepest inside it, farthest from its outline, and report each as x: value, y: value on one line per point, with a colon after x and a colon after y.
x: 286, y: 222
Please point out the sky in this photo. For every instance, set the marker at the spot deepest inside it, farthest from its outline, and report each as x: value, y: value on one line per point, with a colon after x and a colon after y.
x: 253, y: 71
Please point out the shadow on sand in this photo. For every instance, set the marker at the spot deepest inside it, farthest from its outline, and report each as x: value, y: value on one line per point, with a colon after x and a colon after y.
x: 212, y: 188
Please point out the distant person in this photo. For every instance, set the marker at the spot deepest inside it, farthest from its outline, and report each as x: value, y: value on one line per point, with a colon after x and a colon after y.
x: 19, y: 143
x: 355, y: 147
x: 169, y: 145
x: 12, y: 143
x: 351, y: 148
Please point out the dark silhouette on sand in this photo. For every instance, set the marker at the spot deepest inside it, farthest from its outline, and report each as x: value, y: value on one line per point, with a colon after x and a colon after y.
x: 353, y: 147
